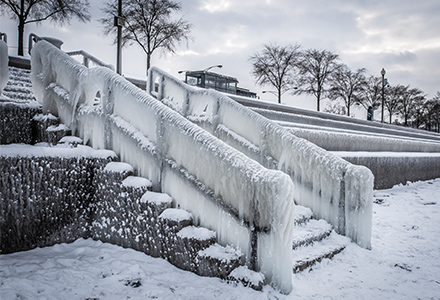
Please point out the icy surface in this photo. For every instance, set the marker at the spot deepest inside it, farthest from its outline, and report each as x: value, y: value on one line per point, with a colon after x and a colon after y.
x: 175, y: 154
x: 327, y: 184
x: 404, y: 263
x: 198, y: 233
x: 384, y: 154
x: 4, y: 71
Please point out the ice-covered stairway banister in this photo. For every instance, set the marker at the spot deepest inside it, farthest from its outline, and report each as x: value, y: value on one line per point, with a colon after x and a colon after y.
x: 4, y: 60
x: 249, y: 206
x: 335, y: 190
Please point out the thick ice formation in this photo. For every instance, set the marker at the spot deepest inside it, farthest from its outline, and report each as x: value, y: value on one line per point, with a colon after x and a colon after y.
x: 4, y: 71
x: 248, y: 206
x: 322, y: 181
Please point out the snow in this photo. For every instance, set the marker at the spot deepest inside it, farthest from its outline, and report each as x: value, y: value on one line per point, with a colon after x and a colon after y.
x: 118, y: 167
x: 57, y: 151
x: 156, y: 198
x: 222, y: 253
x: 198, y: 233
x: 136, y: 182
x: 242, y: 273
x: 176, y: 214
x: 404, y: 263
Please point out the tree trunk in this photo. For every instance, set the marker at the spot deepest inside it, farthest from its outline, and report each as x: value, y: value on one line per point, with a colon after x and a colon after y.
x: 20, y: 37
x: 148, y: 62
x: 317, y: 102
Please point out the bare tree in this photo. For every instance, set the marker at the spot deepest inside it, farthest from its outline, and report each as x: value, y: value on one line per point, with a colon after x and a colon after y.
x: 148, y: 23
x: 36, y: 11
x: 335, y: 107
x: 408, y: 103
x: 315, y: 71
x: 275, y: 66
x: 393, y: 98
x: 371, y: 94
x: 433, y: 113
x: 347, y: 85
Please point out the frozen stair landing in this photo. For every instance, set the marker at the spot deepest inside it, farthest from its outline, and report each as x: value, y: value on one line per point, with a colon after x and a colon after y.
x: 314, y: 240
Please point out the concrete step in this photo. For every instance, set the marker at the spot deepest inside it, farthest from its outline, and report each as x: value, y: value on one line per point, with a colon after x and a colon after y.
x: 302, y: 215
x: 305, y: 257
x: 310, y: 232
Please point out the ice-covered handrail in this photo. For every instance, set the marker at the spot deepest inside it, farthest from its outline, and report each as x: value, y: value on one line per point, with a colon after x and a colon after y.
x: 33, y: 38
x: 249, y: 206
x: 4, y: 59
x: 4, y: 37
x: 334, y: 189
x: 88, y: 57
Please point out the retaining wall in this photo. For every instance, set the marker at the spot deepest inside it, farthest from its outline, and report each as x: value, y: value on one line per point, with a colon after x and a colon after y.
x: 50, y: 196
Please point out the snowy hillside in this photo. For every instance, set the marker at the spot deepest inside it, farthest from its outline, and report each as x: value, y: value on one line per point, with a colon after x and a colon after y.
x: 404, y: 263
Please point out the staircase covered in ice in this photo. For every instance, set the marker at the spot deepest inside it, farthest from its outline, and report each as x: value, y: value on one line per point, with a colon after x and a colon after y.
x: 188, y: 150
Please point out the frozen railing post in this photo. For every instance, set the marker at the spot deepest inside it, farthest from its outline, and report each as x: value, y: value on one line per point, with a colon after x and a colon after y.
x: 249, y: 206
x: 4, y: 60
x: 329, y: 185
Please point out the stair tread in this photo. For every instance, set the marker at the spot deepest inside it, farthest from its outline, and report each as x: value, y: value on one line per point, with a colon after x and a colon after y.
x: 176, y: 214
x: 313, y: 230
x: 323, y: 249
x: 220, y: 252
x: 196, y: 233
x: 301, y: 214
x: 136, y: 182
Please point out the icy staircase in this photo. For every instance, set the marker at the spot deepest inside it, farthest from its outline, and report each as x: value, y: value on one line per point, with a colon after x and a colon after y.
x: 313, y: 240
x: 154, y: 226
x: 19, y: 86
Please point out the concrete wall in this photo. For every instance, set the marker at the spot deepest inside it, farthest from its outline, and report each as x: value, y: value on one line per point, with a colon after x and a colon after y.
x: 389, y: 170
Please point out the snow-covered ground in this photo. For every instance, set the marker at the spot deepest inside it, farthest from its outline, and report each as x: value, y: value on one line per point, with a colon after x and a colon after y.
x: 403, y: 264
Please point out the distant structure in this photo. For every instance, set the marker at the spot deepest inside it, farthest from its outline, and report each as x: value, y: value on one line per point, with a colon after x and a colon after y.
x: 221, y: 83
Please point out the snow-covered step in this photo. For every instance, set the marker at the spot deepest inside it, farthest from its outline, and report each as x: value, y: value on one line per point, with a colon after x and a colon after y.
x: 302, y: 214
x: 156, y: 202
x: 220, y: 260
x: 306, y: 256
x: 312, y: 231
x: 176, y: 218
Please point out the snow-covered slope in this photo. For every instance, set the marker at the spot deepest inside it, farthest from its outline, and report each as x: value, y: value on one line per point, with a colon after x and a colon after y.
x: 403, y: 264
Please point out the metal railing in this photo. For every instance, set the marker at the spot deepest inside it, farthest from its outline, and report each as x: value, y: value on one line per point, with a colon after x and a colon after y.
x: 87, y: 58
x: 4, y: 37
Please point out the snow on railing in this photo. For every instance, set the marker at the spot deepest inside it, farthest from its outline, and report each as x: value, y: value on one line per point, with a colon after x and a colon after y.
x: 335, y: 190
x: 4, y: 59
x: 249, y: 206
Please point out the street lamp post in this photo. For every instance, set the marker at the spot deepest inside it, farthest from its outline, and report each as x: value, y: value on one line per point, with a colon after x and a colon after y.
x: 383, y: 72
x: 209, y: 68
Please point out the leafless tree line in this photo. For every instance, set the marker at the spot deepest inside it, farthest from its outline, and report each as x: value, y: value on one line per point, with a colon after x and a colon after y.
x: 319, y: 73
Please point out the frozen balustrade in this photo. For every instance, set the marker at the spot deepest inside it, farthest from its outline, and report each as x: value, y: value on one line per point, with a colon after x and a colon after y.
x: 335, y: 190
x: 4, y: 58
x: 249, y: 206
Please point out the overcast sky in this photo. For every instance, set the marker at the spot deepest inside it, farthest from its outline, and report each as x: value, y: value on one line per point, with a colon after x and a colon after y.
x: 402, y: 36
